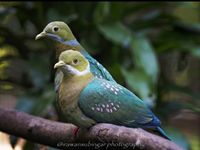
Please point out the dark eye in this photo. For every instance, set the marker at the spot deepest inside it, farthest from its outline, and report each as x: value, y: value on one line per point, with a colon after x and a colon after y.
x: 55, y: 29
x: 75, y: 61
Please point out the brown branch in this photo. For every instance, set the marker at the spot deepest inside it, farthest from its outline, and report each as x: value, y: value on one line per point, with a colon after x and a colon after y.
x: 60, y: 135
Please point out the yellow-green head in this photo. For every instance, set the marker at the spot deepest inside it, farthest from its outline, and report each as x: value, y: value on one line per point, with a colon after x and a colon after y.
x: 73, y: 63
x: 57, y: 30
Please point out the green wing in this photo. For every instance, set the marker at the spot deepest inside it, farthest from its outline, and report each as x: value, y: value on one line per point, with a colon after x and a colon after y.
x: 108, y: 102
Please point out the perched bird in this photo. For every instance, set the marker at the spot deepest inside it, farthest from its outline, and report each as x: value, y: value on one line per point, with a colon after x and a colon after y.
x: 64, y: 39
x: 85, y: 100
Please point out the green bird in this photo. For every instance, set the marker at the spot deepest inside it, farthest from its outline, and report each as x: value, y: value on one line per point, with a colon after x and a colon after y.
x: 64, y: 39
x: 85, y: 100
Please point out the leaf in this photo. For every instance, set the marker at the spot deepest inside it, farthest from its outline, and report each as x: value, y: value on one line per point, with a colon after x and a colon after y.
x: 139, y: 83
x: 195, y: 51
x: 143, y: 53
x: 144, y: 57
x: 116, y: 32
x: 146, y: 72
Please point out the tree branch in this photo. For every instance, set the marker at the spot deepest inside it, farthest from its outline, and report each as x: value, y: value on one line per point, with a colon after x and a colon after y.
x: 60, y: 135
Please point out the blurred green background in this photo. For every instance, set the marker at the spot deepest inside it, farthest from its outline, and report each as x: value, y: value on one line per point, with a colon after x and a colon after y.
x: 152, y: 48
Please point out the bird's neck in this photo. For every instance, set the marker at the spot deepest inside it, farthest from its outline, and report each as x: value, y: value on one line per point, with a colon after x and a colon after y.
x: 71, y: 86
x: 77, y: 78
x: 67, y: 45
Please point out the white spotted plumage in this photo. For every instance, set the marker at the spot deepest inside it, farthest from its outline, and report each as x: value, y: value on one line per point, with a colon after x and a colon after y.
x: 109, y: 107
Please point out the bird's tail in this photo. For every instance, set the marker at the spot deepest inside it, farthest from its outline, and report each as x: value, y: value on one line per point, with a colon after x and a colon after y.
x: 162, y: 133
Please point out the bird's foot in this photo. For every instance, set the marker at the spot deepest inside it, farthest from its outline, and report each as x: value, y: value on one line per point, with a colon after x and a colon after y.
x: 74, y: 134
x: 75, y: 131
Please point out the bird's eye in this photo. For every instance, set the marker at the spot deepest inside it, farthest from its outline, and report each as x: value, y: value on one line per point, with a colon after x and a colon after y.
x: 55, y: 29
x: 75, y: 61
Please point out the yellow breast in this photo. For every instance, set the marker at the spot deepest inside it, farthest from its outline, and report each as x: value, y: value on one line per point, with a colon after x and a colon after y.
x: 70, y: 89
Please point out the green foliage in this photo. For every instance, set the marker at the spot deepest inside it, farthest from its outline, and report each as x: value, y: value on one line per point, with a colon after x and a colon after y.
x: 116, y: 32
x: 132, y: 40
x: 138, y: 81
x: 143, y: 78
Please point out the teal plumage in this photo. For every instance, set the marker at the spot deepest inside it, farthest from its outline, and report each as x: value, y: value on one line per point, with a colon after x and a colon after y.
x: 98, y: 100
x: 106, y: 101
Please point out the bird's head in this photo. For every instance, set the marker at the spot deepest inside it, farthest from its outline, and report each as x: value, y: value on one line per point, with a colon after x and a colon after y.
x: 73, y: 63
x: 56, y: 30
